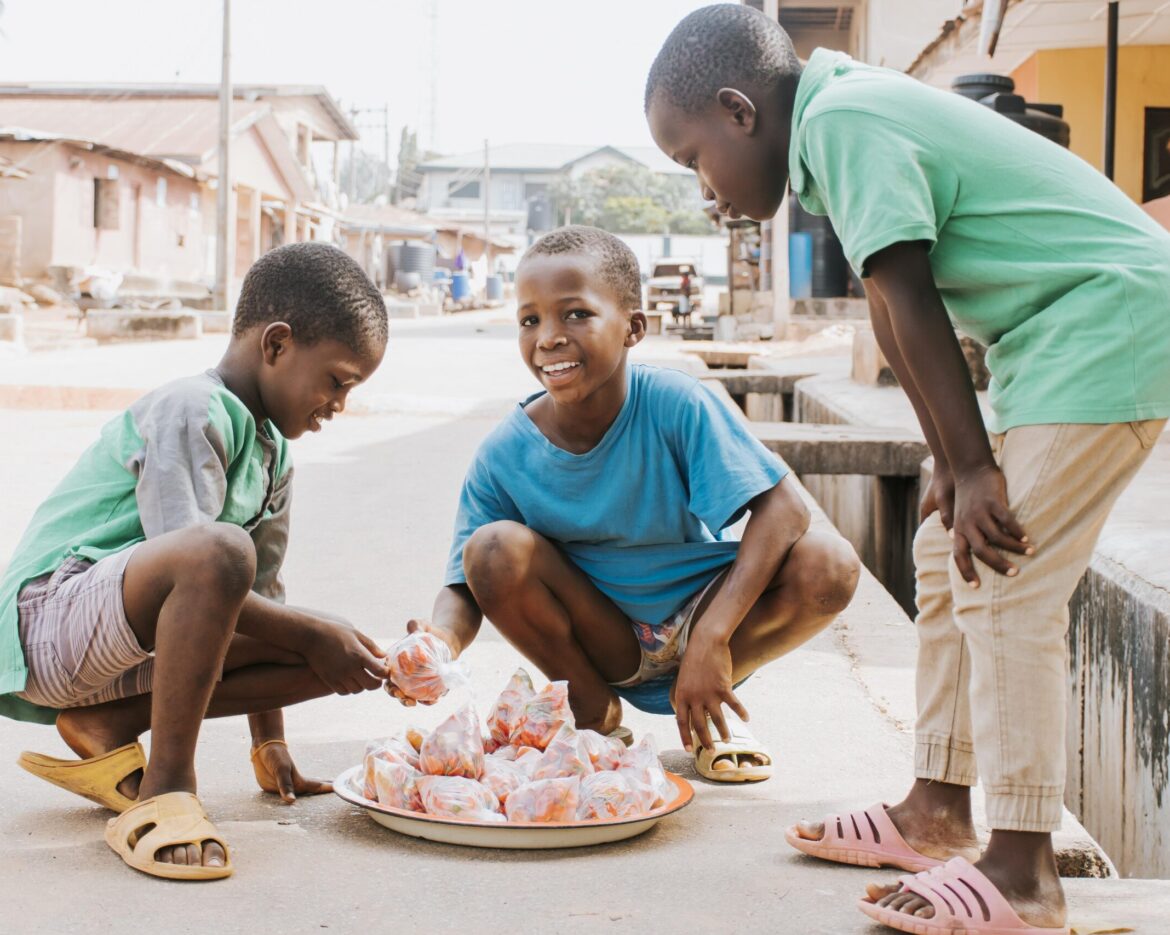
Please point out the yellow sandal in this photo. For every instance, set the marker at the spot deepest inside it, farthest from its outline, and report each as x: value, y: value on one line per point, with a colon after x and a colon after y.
x: 263, y: 775
x: 167, y: 820
x: 95, y: 778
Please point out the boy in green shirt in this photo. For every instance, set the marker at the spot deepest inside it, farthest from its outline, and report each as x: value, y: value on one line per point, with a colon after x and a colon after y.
x: 146, y: 592
x: 957, y: 218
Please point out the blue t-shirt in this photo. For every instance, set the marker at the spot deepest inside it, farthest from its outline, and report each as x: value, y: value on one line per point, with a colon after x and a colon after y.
x: 641, y: 513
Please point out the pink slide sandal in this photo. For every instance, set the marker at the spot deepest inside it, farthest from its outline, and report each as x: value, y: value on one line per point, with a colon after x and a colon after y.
x: 965, y: 903
x: 864, y: 839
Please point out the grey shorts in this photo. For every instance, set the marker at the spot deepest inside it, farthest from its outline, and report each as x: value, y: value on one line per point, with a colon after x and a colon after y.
x: 78, y: 645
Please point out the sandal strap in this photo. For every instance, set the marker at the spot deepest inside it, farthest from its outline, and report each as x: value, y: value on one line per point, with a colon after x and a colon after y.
x: 959, y: 891
x: 178, y: 818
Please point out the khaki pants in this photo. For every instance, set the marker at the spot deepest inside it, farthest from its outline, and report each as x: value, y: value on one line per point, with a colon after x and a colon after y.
x: 993, y: 661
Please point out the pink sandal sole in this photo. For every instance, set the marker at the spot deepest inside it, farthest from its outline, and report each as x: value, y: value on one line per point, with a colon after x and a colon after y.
x: 864, y: 839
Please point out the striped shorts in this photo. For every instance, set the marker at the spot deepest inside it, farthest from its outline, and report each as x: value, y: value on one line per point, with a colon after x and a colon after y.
x: 78, y: 645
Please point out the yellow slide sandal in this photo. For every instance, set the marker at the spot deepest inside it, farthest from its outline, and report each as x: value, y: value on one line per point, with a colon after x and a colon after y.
x: 166, y: 820
x: 96, y: 778
x: 740, y: 759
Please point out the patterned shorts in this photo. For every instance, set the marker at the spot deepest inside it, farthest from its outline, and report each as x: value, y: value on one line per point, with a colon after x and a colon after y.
x: 78, y: 645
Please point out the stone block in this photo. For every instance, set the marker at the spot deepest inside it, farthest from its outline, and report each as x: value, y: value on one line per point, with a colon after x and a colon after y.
x: 119, y: 324
x: 11, y: 327
x: 215, y: 322
x: 870, y: 366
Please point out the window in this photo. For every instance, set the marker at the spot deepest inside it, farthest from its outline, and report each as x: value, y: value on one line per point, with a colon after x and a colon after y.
x: 1156, y: 168
x: 160, y: 193
x: 463, y: 189
x: 105, y: 204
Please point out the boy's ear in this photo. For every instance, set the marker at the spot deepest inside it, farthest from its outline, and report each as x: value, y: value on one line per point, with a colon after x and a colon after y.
x: 739, y: 107
x: 637, y: 328
x: 275, y: 341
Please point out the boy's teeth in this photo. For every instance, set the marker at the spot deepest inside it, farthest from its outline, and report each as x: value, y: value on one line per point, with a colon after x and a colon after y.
x: 555, y: 368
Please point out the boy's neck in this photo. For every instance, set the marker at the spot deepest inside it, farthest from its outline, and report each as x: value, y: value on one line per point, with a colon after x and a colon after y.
x: 579, y: 427
x: 237, y: 370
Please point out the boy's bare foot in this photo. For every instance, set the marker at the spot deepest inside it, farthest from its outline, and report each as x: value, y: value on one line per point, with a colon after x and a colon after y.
x: 90, y: 732
x: 934, y: 819
x: 1022, y: 867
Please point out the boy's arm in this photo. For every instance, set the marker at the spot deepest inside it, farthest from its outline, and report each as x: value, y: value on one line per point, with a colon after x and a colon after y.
x: 778, y: 519
x: 937, y: 371
x: 455, y: 619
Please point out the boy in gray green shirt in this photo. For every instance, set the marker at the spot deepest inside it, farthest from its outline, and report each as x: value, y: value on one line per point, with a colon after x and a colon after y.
x: 957, y: 218
x: 146, y: 592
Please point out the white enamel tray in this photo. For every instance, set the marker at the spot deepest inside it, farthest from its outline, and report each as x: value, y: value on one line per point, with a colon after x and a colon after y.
x: 516, y: 835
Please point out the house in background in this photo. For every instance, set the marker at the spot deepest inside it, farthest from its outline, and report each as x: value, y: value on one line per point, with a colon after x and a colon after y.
x: 127, y: 174
x: 522, y: 179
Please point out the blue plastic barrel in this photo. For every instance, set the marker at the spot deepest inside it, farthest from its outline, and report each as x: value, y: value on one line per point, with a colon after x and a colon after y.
x: 460, y: 285
x: 800, y: 265
x: 494, y: 288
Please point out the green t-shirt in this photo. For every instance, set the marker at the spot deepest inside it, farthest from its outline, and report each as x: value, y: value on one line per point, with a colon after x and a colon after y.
x: 186, y: 453
x: 1036, y: 254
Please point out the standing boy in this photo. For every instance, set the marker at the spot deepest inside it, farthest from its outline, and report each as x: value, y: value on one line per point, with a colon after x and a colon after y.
x: 146, y: 592
x: 957, y: 217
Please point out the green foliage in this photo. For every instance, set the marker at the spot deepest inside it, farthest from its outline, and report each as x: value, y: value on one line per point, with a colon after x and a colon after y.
x: 631, y: 199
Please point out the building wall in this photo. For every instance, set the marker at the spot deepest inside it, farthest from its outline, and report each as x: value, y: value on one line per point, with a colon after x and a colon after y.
x: 1076, y: 79
x: 507, y: 190
x: 32, y: 200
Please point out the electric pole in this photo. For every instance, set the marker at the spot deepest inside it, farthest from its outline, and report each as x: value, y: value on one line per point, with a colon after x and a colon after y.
x: 223, y: 248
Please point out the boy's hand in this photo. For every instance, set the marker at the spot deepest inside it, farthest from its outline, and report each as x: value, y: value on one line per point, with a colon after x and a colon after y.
x: 703, y: 687
x: 416, y: 625
x: 346, y: 660
x: 276, y: 758
x: 940, y: 495
x: 985, y: 523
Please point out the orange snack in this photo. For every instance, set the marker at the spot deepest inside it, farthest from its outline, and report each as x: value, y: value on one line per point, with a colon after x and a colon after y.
x: 509, y: 706
x: 641, y: 764
x: 397, y: 785
x: 391, y: 750
x: 503, y: 776
x: 458, y: 797
x: 564, y: 756
x: 608, y: 794
x: 454, y: 748
x: 421, y: 667
x: 543, y: 715
x: 415, y: 737
x: 605, y: 753
x: 545, y: 800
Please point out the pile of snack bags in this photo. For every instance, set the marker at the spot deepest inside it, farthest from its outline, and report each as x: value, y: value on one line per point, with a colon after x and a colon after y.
x: 533, y: 765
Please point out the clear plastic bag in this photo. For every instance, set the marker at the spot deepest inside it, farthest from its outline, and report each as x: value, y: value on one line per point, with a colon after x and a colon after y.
x: 545, y: 800
x: 641, y: 764
x: 509, y: 706
x: 543, y: 715
x: 422, y: 669
x: 565, y: 756
x: 503, y: 777
x: 390, y: 750
x: 455, y: 747
x: 458, y: 797
x: 605, y: 753
x: 396, y: 785
x: 608, y: 794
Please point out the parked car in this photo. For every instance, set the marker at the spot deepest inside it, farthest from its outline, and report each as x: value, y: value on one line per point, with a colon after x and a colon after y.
x: 665, y: 286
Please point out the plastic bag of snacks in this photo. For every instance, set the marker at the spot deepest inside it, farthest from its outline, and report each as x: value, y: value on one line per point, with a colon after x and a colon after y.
x: 605, y: 753
x: 542, y: 717
x: 505, y: 713
x: 454, y: 748
x: 390, y: 750
x: 564, y: 756
x: 458, y: 797
x: 397, y: 785
x: 421, y: 669
x: 545, y: 800
x: 641, y: 764
x: 609, y: 794
x: 504, y: 776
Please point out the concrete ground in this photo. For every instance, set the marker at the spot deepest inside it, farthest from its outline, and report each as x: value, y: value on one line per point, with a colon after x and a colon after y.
x: 374, y: 504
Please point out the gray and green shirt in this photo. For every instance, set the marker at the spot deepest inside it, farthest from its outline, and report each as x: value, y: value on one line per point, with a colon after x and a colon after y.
x: 187, y: 453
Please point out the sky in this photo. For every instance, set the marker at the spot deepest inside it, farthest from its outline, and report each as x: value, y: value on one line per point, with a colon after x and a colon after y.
x: 507, y: 70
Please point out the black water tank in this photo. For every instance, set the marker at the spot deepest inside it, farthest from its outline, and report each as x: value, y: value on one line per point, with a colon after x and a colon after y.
x: 830, y: 270
x: 998, y: 93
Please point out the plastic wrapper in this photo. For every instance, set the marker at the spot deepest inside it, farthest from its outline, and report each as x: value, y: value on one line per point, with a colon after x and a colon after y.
x: 545, y: 800
x: 608, y: 794
x: 641, y: 764
x: 565, y: 756
x: 454, y: 748
x: 396, y: 785
x: 458, y: 797
x: 509, y: 706
x: 391, y: 750
x: 415, y: 736
x: 542, y: 717
x: 605, y: 753
x: 422, y: 669
x: 504, y: 776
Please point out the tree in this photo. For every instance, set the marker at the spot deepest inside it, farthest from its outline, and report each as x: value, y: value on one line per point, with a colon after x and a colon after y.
x: 631, y: 199
x: 371, y: 176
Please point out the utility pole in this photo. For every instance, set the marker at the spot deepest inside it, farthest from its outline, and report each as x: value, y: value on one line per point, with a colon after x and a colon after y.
x: 1110, y: 89
x: 223, y: 251
x: 487, y: 208
x: 353, y: 112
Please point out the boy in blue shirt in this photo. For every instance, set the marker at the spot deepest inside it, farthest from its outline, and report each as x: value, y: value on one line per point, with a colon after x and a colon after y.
x: 957, y: 218
x: 589, y: 525
x: 146, y: 592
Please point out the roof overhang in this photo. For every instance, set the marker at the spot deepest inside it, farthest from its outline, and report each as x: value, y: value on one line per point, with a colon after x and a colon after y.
x: 164, y: 164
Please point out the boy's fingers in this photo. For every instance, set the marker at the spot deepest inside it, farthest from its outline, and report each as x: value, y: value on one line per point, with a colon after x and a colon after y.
x: 1003, y: 540
x: 373, y: 648
x: 284, y: 782
x: 699, y: 721
x: 682, y: 719
x: 732, y: 702
x: 1008, y: 522
x: 716, y: 716
x: 983, y: 550
x: 962, y: 555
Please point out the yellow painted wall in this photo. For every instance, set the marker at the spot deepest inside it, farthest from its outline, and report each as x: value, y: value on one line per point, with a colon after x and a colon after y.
x: 1076, y: 79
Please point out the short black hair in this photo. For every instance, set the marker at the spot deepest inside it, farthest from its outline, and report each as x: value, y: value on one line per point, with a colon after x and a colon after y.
x: 319, y: 291
x: 615, y: 261
x: 720, y: 46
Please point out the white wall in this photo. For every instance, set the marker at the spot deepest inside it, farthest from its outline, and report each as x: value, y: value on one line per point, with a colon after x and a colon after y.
x: 709, y: 251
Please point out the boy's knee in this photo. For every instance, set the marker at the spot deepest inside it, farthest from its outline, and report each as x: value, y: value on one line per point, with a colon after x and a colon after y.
x: 222, y: 556
x: 824, y: 570
x: 497, y: 554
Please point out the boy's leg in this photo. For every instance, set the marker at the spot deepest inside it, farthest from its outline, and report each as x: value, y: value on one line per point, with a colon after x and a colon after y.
x: 547, y: 608
x: 1062, y: 481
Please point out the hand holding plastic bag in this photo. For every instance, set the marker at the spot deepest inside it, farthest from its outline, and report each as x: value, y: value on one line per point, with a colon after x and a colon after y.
x: 422, y: 670
x: 455, y: 747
